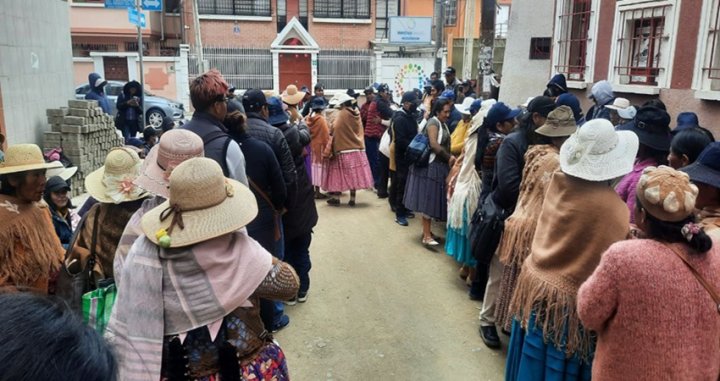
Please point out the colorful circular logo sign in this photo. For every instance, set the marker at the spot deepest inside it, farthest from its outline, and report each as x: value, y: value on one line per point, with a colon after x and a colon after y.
x: 409, y: 77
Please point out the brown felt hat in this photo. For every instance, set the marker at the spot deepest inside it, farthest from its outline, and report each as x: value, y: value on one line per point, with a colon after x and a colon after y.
x: 560, y: 122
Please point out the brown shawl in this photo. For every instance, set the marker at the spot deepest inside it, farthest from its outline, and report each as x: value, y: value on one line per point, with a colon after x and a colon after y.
x: 29, y: 247
x: 579, y: 221
x: 541, y: 161
x: 710, y: 221
x: 319, y: 134
x: 113, y: 218
x: 347, y: 131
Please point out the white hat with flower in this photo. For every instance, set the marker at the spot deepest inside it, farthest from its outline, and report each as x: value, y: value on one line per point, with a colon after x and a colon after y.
x: 113, y: 182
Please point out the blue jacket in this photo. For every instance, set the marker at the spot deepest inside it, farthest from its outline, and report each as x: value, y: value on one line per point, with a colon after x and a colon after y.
x: 98, y: 94
x: 63, y: 229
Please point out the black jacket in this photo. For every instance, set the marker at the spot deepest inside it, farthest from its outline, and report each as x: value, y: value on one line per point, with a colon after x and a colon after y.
x: 214, y: 136
x: 405, y: 128
x: 509, y: 165
x: 123, y: 107
x: 258, y: 128
x: 301, y: 216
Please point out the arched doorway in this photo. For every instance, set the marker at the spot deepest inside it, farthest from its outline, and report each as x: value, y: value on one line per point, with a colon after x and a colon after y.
x: 294, y: 67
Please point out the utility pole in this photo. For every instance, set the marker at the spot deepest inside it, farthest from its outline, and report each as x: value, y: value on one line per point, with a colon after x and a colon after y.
x: 198, y: 38
x: 469, y: 38
x: 487, y: 42
x: 439, y: 26
x: 138, y: 8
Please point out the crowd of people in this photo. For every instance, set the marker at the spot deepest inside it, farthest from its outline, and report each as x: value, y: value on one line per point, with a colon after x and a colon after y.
x: 589, y: 237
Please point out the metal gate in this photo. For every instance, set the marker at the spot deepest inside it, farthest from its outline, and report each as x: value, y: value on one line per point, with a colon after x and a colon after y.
x: 345, y: 69
x: 243, y: 68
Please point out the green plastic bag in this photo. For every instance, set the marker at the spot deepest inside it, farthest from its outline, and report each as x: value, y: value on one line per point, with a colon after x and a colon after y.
x: 97, y: 306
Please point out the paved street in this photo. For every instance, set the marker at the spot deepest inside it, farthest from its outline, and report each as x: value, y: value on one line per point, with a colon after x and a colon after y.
x: 381, y: 306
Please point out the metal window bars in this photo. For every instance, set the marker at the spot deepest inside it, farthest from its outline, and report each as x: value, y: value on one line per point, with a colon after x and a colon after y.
x: 235, y: 7
x: 83, y: 50
x: 450, y: 12
x: 343, y: 9
x: 711, y: 66
x: 640, y: 43
x: 345, y: 69
x: 574, y: 22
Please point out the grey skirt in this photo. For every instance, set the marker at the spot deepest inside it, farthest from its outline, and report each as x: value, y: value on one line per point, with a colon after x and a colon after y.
x: 425, y: 190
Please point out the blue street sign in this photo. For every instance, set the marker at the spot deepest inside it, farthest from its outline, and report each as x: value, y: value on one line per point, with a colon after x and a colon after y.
x: 120, y: 4
x: 152, y: 5
x: 136, y: 18
x: 148, y: 5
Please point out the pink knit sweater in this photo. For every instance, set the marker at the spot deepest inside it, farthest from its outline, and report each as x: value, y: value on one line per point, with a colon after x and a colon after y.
x: 653, y: 319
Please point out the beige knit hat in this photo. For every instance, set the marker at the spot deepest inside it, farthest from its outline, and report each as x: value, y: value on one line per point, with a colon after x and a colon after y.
x: 175, y: 147
x: 24, y: 157
x: 667, y: 194
x: 560, y: 122
x: 203, y: 204
x: 113, y: 182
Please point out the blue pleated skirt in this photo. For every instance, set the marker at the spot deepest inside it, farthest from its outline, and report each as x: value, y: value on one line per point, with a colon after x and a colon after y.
x: 425, y: 190
x: 457, y: 244
x: 530, y: 358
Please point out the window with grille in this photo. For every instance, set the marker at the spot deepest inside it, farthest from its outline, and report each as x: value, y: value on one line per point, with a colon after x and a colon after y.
x: 572, y: 31
x: 450, y: 12
x: 234, y: 7
x: 342, y: 9
x: 540, y: 48
x: 709, y: 73
x: 385, y: 10
x: 642, y: 49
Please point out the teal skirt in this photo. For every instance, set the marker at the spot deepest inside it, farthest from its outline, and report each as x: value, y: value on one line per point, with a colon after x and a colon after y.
x: 457, y: 244
x: 531, y: 358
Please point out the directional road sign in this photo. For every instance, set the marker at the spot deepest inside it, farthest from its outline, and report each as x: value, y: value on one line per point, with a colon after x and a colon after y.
x: 136, y: 18
x: 152, y: 5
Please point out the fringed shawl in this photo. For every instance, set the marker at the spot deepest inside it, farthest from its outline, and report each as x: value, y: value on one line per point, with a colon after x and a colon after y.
x: 319, y: 134
x: 541, y: 161
x: 466, y: 192
x: 29, y: 247
x: 579, y: 221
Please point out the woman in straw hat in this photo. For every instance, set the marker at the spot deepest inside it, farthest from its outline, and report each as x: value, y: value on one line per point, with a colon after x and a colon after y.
x: 581, y: 217
x: 292, y: 97
x: 188, y: 307
x: 541, y: 161
x: 464, y: 193
x: 319, y: 137
x: 175, y: 147
x: 348, y: 168
x: 29, y: 248
x: 112, y: 185
x: 651, y: 301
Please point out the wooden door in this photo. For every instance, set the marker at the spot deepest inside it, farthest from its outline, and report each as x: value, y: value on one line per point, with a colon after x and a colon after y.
x: 116, y: 68
x: 295, y: 69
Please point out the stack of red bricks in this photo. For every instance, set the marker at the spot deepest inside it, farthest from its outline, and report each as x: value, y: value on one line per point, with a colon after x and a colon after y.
x: 85, y: 134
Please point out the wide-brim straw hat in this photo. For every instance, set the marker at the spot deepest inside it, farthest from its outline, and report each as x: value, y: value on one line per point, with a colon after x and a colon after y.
x: 208, y: 205
x: 113, y: 182
x: 62, y: 172
x: 342, y: 98
x: 175, y: 147
x: 292, y: 95
x: 464, y: 107
x: 25, y: 157
x: 596, y: 152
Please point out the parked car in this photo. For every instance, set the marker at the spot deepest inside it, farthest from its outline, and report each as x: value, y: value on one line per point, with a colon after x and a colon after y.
x: 156, y: 107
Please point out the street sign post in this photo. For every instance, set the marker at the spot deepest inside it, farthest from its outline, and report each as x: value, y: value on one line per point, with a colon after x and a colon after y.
x: 152, y: 5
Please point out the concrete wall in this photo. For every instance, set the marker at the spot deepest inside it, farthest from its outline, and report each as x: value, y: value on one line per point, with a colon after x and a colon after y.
x: 35, y: 65
x: 523, y: 77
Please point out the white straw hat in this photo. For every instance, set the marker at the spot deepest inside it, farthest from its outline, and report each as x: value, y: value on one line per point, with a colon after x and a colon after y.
x: 203, y: 204
x: 113, y: 182
x: 342, y: 98
x: 175, y: 147
x: 596, y: 152
x: 25, y: 157
x: 62, y: 172
x: 624, y: 108
x: 464, y: 107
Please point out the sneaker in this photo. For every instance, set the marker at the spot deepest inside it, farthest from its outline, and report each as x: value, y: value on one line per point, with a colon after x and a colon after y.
x: 280, y: 324
x: 410, y: 215
x: 292, y: 301
x: 490, y: 336
x: 401, y: 220
x: 302, y: 296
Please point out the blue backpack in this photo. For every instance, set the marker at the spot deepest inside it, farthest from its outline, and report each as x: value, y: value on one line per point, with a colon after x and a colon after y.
x: 418, y: 151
